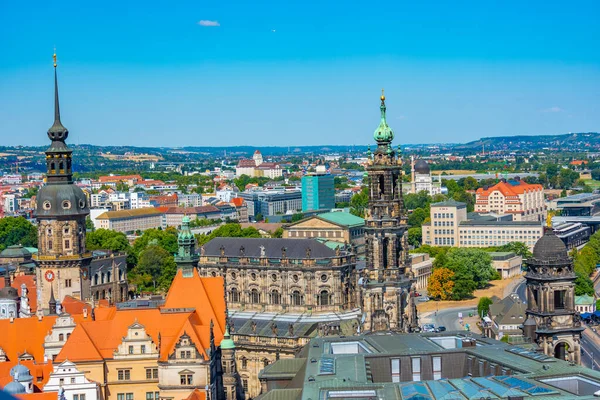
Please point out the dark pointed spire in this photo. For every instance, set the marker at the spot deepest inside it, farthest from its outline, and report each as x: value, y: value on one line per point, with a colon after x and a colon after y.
x: 52, y: 302
x: 57, y: 131
x: 212, y: 338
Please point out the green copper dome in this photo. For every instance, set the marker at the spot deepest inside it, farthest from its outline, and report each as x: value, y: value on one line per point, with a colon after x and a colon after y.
x: 383, y: 133
x: 185, y: 233
x: 227, y: 342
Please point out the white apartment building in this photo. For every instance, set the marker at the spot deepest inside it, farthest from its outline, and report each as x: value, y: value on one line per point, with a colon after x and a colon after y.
x: 72, y: 382
x: 450, y: 226
x: 523, y: 201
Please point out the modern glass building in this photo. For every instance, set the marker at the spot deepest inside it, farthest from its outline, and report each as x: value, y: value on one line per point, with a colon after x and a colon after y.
x: 318, y: 192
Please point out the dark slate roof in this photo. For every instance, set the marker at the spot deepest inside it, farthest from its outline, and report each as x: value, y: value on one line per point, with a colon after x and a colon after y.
x: 16, y: 251
x: 55, y: 195
x: 421, y: 167
x: 295, y: 248
x: 550, y: 248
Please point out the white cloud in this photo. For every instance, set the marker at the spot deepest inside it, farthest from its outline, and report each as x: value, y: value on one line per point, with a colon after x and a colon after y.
x: 206, y: 22
x: 554, y: 109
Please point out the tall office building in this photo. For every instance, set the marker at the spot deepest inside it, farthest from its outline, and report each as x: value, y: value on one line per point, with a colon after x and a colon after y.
x: 318, y: 192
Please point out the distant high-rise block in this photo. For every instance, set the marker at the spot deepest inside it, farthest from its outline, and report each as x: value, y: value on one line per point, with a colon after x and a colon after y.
x: 318, y: 192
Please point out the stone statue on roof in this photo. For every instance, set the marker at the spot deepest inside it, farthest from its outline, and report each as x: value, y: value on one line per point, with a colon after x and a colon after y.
x: 262, y: 251
x: 24, y: 309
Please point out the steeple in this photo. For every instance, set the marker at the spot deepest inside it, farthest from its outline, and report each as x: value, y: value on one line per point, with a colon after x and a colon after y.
x: 58, y: 156
x: 57, y: 131
x: 383, y: 134
x: 52, y: 302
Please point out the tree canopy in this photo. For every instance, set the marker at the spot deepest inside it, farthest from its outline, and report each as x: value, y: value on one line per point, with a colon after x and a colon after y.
x: 229, y: 230
x: 155, y: 269
x: 17, y: 230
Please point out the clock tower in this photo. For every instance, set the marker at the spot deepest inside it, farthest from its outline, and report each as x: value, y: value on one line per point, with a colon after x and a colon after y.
x: 61, y: 210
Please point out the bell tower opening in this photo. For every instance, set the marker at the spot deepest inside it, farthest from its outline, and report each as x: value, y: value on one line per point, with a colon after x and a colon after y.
x: 561, y: 350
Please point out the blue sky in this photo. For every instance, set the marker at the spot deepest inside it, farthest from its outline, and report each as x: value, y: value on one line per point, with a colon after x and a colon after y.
x: 298, y: 72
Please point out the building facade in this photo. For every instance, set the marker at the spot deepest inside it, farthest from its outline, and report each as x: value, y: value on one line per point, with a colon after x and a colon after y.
x: 449, y: 226
x: 61, y: 211
x: 130, y: 221
x: 525, y: 202
x: 336, y: 226
x: 281, y: 275
x: 318, y: 192
x: 552, y: 320
x: 422, y: 179
x: 385, y: 295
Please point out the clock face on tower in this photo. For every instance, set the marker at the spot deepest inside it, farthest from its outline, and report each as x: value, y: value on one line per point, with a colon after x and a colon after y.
x: 49, y: 275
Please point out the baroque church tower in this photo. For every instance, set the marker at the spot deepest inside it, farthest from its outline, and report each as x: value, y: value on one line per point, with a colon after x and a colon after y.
x: 552, y: 320
x: 61, y: 210
x: 386, y: 297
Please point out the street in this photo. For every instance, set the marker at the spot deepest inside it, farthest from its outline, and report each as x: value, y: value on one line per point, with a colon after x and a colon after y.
x: 449, y: 318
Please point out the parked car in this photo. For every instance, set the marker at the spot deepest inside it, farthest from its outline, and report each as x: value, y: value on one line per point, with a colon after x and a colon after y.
x: 441, y: 328
x: 424, y: 298
x: 428, y: 328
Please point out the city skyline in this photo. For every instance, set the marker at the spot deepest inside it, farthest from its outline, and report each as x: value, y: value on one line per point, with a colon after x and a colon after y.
x: 289, y: 75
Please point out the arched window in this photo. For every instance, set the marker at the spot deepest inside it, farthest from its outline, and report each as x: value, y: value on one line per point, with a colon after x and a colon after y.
x: 120, y: 275
x: 96, y: 279
x: 104, y: 294
x: 68, y: 336
x: 234, y: 295
x: 61, y: 165
x: 275, y: 297
x: 61, y: 337
x: 296, y: 298
x: 103, y: 278
x: 244, y: 363
x: 52, y: 167
x: 254, y: 296
x: 108, y: 276
x: 50, y: 244
x: 266, y: 362
x: 324, y: 298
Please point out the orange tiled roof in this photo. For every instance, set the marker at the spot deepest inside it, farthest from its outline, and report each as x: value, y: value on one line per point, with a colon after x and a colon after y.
x: 578, y: 162
x: 38, y: 396
x: 75, y: 306
x: 97, y: 340
x: 237, y: 201
x: 197, y: 394
x: 29, y: 281
x: 40, y: 372
x: 509, y: 190
x: 25, y: 335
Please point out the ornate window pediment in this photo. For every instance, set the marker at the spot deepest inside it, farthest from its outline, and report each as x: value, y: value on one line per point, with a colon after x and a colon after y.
x: 137, y: 343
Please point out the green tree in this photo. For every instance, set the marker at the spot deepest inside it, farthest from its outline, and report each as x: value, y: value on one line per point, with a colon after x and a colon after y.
x: 229, y: 230
x: 414, y: 236
x: 278, y: 233
x: 472, y: 270
x: 17, y: 230
x: 106, y: 239
x: 155, y: 269
x: 297, y: 217
x: 412, y: 201
x: 416, y: 218
x: 586, y: 260
x: 596, y: 174
x: 167, y: 239
x: 259, y: 217
x: 89, y: 225
x: 519, y: 248
x: 584, y: 285
x: 359, y: 202
x: 483, y: 307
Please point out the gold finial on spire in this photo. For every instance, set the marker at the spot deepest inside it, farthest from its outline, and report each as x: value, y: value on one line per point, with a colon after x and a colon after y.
x: 54, y: 57
x: 382, y: 95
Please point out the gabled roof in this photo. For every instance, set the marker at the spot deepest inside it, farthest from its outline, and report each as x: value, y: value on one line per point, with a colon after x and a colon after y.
x: 508, y: 189
x: 584, y: 300
x: 197, y: 394
x: 25, y: 335
x: 75, y: 306
x: 191, y: 304
x: 237, y: 201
